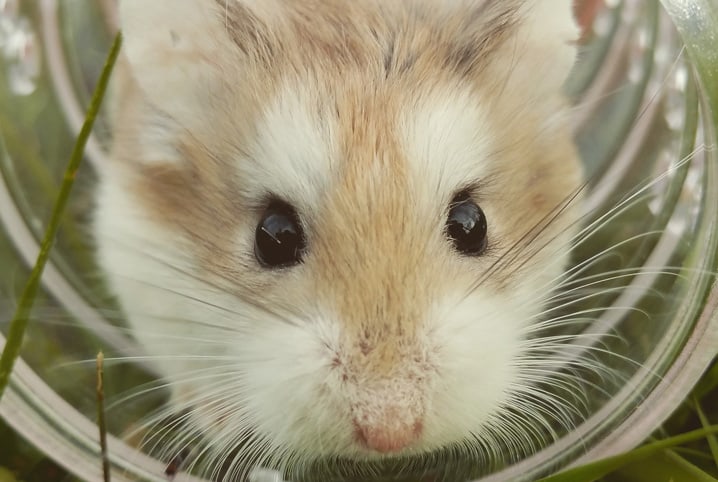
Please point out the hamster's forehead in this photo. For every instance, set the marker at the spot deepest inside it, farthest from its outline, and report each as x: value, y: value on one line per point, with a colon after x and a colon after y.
x: 367, y: 142
x: 421, y: 89
x: 405, y: 90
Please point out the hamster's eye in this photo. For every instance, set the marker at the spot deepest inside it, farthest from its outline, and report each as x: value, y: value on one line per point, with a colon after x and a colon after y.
x: 279, y: 241
x: 466, y: 226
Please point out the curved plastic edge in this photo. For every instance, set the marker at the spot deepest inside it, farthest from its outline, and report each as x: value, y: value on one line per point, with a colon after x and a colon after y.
x: 24, y: 408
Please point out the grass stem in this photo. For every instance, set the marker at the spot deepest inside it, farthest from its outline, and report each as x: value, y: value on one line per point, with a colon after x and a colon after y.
x: 20, y: 319
x: 101, y: 422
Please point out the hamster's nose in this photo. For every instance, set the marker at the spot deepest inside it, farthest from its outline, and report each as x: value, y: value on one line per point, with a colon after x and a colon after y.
x: 389, y: 433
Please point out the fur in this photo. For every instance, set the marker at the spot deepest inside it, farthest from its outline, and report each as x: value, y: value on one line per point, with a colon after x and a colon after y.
x: 368, y: 116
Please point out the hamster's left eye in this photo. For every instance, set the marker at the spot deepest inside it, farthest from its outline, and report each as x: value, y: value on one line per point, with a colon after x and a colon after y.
x: 279, y: 240
x: 466, y: 226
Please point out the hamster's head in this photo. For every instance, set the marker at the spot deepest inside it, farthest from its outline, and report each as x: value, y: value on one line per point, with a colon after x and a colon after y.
x: 332, y: 224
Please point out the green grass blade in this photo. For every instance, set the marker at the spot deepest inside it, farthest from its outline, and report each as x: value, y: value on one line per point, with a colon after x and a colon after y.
x: 596, y: 470
x: 708, y: 383
x: 664, y: 465
x: 693, y: 453
x: 712, y: 439
x: 24, y: 308
x: 101, y: 420
x: 6, y: 476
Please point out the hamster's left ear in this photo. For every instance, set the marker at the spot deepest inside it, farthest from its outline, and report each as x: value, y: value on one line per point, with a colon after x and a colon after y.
x: 538, y: 37
x: 550, y: 26
x: 181, y: 52
x: 539, y: 48
x: 173, y: 48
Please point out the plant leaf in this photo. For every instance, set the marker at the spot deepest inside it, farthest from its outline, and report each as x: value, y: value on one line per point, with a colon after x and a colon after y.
x: 6, y: 476
x: 664, y: 465
x: 598, y: 469
x: 712, y: 439
x: 708, y: 382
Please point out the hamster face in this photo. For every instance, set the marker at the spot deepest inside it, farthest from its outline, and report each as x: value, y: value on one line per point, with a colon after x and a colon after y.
x: 332, y: 224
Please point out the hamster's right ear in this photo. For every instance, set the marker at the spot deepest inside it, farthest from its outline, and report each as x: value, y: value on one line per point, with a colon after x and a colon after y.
x: 177, y: 50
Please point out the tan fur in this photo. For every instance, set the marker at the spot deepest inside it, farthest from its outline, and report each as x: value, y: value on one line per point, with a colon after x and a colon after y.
x: 376, y: 258
x: 374, y: 57
x: 390, y: 52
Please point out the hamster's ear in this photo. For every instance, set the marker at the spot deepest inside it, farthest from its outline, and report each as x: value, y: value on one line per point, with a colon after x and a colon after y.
x: 534, y: 39
x: 550, y: 27
x: 174, y: 50
x: 538, y: 49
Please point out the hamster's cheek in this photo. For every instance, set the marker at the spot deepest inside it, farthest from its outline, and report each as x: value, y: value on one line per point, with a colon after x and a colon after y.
x: 477, y: 341
x: 283, y: 390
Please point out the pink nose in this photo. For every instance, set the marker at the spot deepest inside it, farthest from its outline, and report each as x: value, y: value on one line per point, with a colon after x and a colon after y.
x: 390, y: 437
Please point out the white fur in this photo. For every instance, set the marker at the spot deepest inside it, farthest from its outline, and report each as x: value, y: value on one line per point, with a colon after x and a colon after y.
x: 201, y: 337
x: 447, y: 138
x: 294, y: 153
x: 275, y: 371
x: 475, y: 338
x: 142, y: 262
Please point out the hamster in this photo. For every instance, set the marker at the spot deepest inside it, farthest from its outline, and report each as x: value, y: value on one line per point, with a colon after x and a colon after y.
x: 332, y: 224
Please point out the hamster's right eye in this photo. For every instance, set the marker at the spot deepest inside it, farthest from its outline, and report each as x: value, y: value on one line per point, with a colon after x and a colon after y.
x: 466, y: 226
x: 279, y: 240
